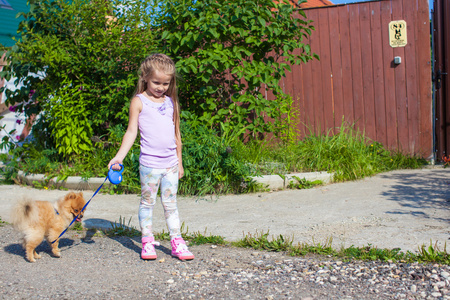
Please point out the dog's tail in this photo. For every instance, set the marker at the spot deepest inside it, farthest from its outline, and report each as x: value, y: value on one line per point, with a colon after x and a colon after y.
x: 24, y: 213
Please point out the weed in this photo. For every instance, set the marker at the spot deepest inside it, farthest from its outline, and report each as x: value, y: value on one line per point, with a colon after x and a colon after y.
x: 316, y: 248
x: 260, y: 241
x: 198, y: 238
x: 195, y: 238
x: 120, y: 229
x: 78, y: 226
x: 372, y: 253
x: 433, y: 254
x: 302, y: 183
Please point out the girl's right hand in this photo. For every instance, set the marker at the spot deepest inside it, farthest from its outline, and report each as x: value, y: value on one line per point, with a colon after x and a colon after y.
x: 115, y: 162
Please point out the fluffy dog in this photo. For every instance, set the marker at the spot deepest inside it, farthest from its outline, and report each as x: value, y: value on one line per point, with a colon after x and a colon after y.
x: 39, y: 219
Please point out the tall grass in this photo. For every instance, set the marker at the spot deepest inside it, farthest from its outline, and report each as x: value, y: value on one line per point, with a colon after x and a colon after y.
x: 220, y: 165
x: 347, y: 153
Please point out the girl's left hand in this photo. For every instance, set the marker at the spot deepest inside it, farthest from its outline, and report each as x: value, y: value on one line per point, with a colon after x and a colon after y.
x: 180, y: 171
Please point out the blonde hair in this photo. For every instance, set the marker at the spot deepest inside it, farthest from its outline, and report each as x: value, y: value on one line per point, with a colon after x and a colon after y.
x: 166, y: 65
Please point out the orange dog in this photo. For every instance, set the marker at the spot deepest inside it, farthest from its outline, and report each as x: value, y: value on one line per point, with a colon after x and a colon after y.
x: 39, y: 219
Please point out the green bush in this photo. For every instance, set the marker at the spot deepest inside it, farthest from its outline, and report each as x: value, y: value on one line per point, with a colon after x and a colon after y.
x: 229, y: 54
x: 209, y: 163
x: 78, y: 59
x: 78, y: 63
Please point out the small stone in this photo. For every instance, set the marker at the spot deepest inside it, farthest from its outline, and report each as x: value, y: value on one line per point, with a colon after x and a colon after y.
x: 162, y: 260
x: 436, y: 294
x: 170, y: 281
x: 439, y: 284
x: 414, y: 288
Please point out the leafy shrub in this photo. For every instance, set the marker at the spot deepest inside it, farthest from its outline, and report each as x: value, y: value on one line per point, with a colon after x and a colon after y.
x: 81, y: 59
x: 230, y: 54
x: 209, y: 163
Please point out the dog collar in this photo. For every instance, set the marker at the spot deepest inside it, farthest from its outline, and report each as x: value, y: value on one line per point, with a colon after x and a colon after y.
x: 56, y: 212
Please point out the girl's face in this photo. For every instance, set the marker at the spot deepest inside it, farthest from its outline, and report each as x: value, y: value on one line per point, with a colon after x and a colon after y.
x: 158, y: 83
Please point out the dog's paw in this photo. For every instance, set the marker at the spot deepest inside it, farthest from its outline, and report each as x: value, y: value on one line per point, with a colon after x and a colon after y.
x: 56, y: 253
x: 37, y: 256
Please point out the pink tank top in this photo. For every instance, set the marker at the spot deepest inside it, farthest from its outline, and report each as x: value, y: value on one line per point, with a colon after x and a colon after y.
x: 158, y: 147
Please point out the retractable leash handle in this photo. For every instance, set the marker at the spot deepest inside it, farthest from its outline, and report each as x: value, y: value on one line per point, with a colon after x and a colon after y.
x: 114, y: 176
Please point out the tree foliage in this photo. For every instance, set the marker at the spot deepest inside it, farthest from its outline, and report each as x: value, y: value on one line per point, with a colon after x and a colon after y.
x: 78, y: 61
x: 230, y: 54
x: 79, y: 58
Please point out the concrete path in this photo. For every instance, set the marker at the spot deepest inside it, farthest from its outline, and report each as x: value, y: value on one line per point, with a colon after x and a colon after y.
x: 401, y: 209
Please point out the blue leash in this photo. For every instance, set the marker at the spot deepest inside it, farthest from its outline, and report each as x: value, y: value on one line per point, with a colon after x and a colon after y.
x: 114, y: 176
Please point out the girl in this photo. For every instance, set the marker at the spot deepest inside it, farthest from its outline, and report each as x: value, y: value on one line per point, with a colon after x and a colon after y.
x: 154, y: 110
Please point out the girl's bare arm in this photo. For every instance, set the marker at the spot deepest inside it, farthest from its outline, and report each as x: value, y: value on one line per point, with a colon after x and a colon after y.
x: 130, y: 134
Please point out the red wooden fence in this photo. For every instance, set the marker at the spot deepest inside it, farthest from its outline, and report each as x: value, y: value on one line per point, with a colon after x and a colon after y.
x: 357, y: 81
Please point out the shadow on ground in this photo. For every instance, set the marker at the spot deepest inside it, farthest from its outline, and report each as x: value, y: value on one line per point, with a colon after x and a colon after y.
x: 416, y: 193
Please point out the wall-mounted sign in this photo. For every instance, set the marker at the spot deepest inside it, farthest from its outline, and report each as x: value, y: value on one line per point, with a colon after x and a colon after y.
x: 397, y: 34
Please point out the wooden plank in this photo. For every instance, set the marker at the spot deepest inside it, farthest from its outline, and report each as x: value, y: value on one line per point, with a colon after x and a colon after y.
x: 327, y: 119
x: 316, y: 76
x: 299, y: 103
x: 400, y: 86
x: 367, y: 71
x: 336, y: 67
x: 424, y: 67
x: 307, y: 116
x: 346, y: 56
x: 378, y: 71
x: 389, y: 80
x: 355, y: 48
x: 298, y: 96
x: 412, y: 84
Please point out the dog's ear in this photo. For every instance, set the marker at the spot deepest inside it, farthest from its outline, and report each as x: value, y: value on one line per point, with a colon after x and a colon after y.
x: 71, y: 195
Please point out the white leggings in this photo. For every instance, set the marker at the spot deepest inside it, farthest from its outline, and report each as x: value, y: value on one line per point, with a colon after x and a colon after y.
x: 151, y: 180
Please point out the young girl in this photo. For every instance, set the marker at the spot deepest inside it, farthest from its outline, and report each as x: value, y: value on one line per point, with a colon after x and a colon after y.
x: 154, y: 110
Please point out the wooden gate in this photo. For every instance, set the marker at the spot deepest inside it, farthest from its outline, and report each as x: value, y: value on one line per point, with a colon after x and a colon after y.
x: 441, y: 38
x: 358, y: 80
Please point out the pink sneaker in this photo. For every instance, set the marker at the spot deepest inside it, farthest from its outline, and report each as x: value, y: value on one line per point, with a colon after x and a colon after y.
x: 180, y: 250
x: 148, y: 248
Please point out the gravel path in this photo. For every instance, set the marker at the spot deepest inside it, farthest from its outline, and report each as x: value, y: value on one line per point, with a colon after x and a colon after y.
x: 94, y: 267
